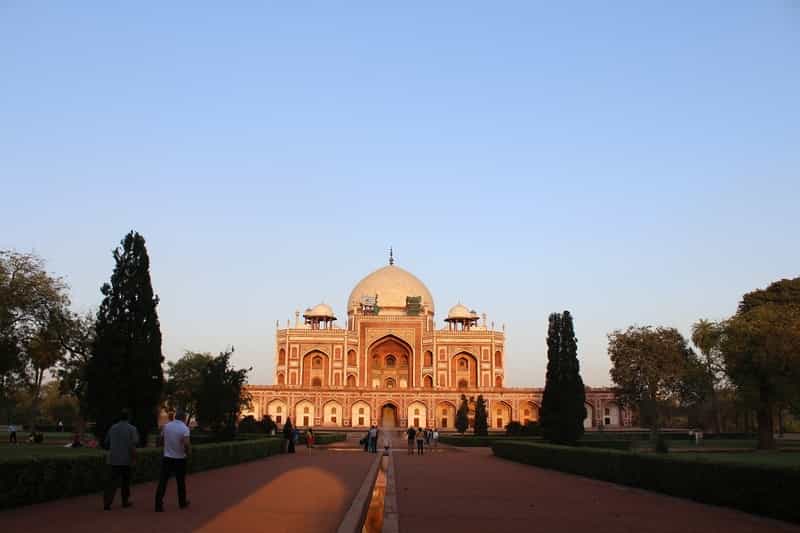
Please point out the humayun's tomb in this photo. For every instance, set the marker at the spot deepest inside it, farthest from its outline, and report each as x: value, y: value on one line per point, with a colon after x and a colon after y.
x: 390, y: 365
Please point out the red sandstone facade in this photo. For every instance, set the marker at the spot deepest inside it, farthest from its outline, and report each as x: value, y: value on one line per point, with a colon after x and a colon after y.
x: 391, y: 366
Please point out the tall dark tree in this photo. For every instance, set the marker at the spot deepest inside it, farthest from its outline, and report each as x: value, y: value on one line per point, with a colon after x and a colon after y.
x: 563, y: 402
x: 481, y: 417
x: 462, y: 415
x: 124, y: 369
x: 222, y: 395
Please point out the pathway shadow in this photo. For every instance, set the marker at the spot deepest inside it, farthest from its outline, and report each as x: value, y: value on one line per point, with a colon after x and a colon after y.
x: 291, y: 492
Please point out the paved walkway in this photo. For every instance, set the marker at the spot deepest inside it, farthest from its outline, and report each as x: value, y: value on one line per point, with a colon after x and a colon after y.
x: 470, y: 490
x: 286, y: 493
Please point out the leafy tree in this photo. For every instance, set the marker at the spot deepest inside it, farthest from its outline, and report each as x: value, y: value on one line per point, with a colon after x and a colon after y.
x: 77, y: 339
x: 563, y: 401
x: 462, y: 415
x: 481, y: 417
x: 222, y: 395
x: 184, y: 378
x: 648, y: 365
x: 32, y: 305
x: 707, y: 336
x: 124, y: 369
x: 57, y: 406
x: 761, y: 347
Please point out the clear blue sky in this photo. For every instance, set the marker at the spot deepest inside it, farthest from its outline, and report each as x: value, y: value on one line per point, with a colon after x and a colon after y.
x: 637, y: 163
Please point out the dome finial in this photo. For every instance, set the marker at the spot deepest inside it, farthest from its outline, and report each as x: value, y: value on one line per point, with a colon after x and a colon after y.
x: 391, y: 256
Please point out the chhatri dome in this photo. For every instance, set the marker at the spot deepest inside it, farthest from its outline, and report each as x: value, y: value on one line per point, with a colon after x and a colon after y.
x: 392, y: 285
x: 320, y: 311
x: 460, y: 311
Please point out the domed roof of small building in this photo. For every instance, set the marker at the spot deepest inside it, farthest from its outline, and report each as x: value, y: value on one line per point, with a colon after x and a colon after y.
x: 392, y: 285
x: 461, y: 311
x: 320, y: 311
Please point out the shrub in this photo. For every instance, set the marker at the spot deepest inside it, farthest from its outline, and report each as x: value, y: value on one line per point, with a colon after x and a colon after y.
x: 473, y: 440
x: 27, y: 481
x: 323, y: 438
x: 760, y: 489
x: 249, y: 424
x: 530, y: 429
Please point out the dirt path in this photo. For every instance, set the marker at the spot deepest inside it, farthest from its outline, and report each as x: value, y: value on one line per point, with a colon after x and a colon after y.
x: 291, y: 493
x: 470, y: 490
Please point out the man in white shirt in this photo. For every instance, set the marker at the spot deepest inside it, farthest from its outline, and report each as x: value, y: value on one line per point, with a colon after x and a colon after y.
x: 176, y: 447
x: 12, y: 434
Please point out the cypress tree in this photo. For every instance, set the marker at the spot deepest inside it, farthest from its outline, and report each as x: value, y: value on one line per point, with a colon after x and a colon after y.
x: 563, y: 408
x: 574, y: 399
x: 124, y: 369
x: 481, y: 416
x: 462, y: 416
x: 550, y: 412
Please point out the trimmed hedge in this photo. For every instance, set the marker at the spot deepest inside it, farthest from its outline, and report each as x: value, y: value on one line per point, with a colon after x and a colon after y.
x: 764, y: 490
x: 27, y: 481
x: 324, y: 438
x: 606, y: 444
x: 474, y: 441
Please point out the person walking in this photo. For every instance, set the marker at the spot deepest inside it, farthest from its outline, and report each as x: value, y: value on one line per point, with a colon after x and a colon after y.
x: 176, y: 448
x: 288, y: 435
x: 411, y: 433
x: 12, y: 434
x: 309, y: 439
x: 420, y: 441
x: 373, y: 439
x: 435, y: 438
x: 120, y: 441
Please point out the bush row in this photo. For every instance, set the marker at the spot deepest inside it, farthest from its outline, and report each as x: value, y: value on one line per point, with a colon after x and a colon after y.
x: 475, y: 440
x: 324, y: 438
x: 27, y: 481
x: 760, y: 489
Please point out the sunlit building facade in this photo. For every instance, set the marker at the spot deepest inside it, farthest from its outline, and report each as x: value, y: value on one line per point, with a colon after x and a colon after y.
x: 391, y: 366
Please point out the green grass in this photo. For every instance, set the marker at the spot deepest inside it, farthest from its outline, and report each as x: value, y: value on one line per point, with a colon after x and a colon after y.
x: 717, y: 445
x: 36, y: 451
x: 778, y: 459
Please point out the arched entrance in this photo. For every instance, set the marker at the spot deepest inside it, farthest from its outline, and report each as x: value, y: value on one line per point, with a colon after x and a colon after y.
x: 389, y: 363
x: 389, y: 416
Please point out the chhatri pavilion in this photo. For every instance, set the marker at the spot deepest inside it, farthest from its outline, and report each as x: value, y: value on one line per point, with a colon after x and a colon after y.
x: 391, y: 366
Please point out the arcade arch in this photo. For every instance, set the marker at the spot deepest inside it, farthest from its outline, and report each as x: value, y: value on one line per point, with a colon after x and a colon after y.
x: 445, y: 415
x: 332, y: 413
x: 360, y: 414
x: 304, y: 413
x: 417, y: 414
x: 501, y: 415
x: 278, y: 411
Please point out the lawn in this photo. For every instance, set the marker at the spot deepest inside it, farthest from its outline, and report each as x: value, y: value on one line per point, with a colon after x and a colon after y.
x: 780, y: 459
x: 33, y: 451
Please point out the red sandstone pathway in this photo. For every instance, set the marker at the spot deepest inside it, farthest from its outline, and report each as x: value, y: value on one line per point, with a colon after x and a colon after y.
x: 470, y: 490
x: 286, y: 493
